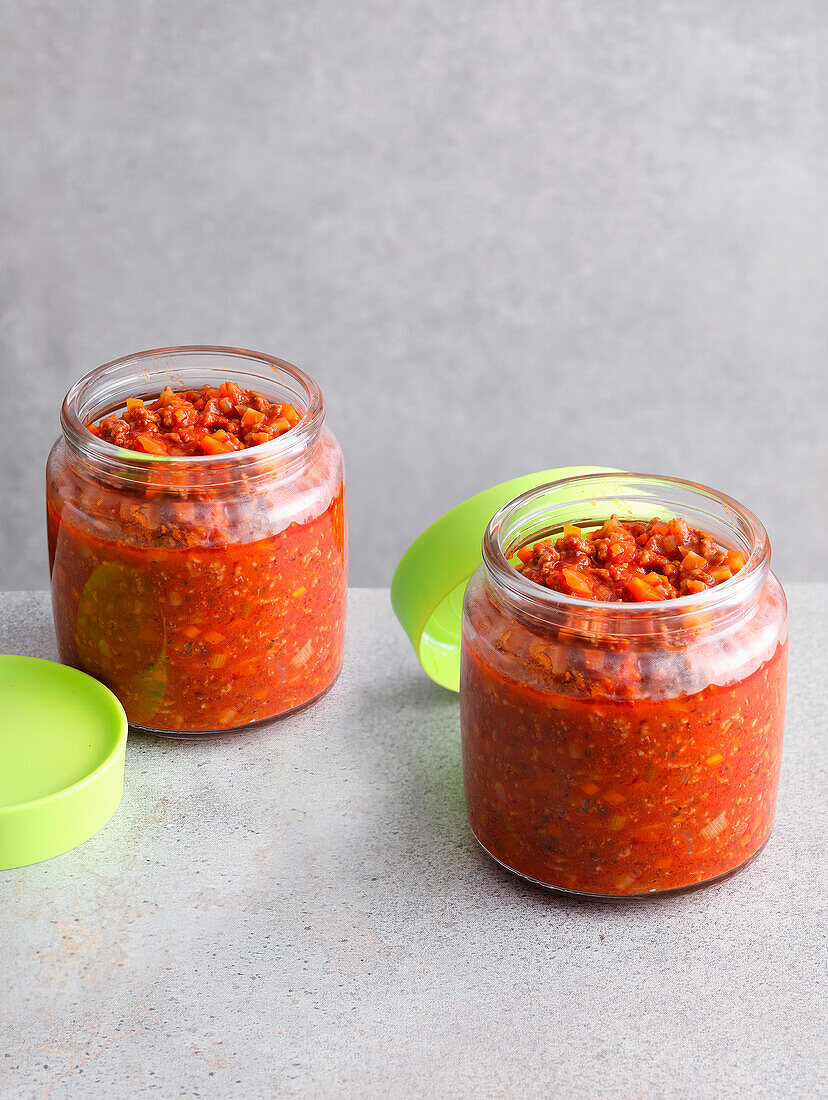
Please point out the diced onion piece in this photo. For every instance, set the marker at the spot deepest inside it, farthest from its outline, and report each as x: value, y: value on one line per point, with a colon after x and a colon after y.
x: 714, y: 827
x: 218, y: 660
x: 616, y: 822
x: 301, y: 658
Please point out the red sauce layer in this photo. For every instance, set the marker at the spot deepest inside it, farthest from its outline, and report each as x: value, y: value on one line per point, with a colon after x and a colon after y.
x: 626, y: 561
x: 206, y: 637
x: 620, y: 797
x: 209, y: 421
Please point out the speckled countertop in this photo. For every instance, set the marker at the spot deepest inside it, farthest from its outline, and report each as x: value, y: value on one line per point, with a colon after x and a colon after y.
x: 303, y: 911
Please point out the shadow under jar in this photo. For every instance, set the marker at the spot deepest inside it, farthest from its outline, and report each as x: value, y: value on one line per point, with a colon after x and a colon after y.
x: 622, y: 749
x: 208, y: 592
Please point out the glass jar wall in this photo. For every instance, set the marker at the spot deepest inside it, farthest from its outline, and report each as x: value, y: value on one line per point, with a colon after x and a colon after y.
x: 208, y: 592
x: 622, y: 749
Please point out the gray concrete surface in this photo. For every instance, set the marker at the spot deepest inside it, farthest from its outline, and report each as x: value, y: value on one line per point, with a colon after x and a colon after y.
x: 504, y: 237
x: 304, y: 912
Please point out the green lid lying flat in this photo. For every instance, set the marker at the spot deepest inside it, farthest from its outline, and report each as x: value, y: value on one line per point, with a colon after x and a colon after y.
x: 430, y: 581
x: 62, y: 742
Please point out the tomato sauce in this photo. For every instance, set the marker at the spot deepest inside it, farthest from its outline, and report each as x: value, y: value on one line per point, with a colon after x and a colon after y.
x: 211, y: 421
x: 618, y: 765
x: 202, y: 606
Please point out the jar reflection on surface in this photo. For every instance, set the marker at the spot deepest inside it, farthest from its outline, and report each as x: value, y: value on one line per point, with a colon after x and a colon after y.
x: 619, y: 750
x: 209, y: 593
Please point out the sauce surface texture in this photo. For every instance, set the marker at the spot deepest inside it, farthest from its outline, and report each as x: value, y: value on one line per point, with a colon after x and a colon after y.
x: 210, y: 421
x: 626, y: 561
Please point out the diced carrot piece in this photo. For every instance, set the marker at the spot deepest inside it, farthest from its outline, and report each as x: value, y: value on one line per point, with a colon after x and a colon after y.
x: 590, y: 788
x: 134, y: 403
x: 578, y: 585
x: 721, y: 573
x: 616, y: 822
x: 716, y: 758
x: 250, y: 418
x: 151, y: 446
x: 212, y: 446
x: 570, y: 529
x: 212, y: 637
x: 693, y: 561
x: 641, y: 591
x: 735, y: 561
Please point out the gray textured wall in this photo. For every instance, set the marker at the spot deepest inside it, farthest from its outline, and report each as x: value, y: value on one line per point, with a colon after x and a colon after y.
x: 503, y: 236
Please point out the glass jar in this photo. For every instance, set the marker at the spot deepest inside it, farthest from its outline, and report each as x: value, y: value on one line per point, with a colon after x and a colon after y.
x: 207, y: 592
x: 622, y: 749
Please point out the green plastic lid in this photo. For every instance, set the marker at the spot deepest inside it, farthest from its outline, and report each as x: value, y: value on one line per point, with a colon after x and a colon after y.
x: 62, y: 742
x: 430, y: 581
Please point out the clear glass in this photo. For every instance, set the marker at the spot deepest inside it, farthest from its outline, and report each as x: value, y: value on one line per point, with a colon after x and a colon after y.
x: 207, y: 592
x: 622, y: 749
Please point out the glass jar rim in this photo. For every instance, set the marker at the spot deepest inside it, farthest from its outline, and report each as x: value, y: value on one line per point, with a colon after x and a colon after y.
x: 500, y: 537
x: 101, y: 381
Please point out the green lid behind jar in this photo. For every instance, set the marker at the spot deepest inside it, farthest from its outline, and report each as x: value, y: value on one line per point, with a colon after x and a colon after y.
x: 430, y: 581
